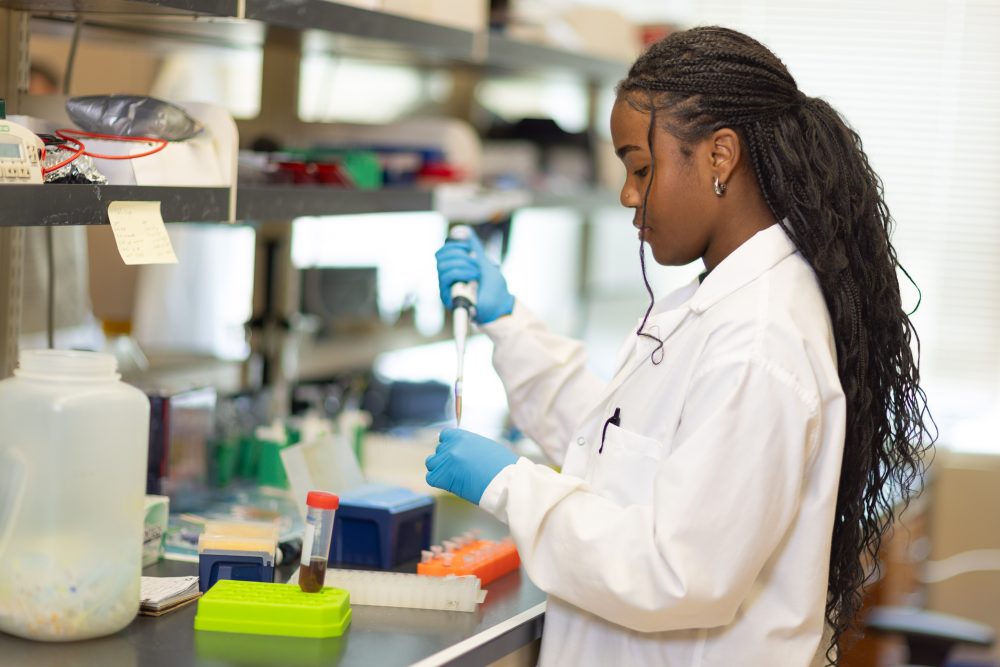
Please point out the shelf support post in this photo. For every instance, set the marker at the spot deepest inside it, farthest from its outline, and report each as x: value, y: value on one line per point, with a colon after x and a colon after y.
x: 14, y: 77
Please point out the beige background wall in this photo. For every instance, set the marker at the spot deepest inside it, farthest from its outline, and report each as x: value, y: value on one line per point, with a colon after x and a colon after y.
x: 100, y: 67
x: 965, y: 515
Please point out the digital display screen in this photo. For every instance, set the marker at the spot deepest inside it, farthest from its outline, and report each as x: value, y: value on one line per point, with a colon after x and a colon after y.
x: 10, y: 151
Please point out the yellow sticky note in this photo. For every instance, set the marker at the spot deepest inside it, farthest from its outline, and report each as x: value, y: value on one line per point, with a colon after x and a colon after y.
x: 140, y: 233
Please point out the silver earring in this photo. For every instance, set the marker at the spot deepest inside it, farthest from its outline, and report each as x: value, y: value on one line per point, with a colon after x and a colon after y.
x: 720, y: 187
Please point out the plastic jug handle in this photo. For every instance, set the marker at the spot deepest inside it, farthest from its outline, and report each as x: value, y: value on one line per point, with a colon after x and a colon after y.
x: 13, y: 474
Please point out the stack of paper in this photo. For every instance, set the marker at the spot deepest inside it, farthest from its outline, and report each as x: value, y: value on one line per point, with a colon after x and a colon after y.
x: 163, y: 594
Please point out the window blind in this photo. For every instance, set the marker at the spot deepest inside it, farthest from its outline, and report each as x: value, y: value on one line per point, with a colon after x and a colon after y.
x: 920, y: 81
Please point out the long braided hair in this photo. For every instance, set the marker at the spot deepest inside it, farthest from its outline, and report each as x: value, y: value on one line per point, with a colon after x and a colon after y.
x: 818, y: 183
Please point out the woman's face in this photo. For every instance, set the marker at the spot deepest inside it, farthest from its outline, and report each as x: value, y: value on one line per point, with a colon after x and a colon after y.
x: 678, y: 220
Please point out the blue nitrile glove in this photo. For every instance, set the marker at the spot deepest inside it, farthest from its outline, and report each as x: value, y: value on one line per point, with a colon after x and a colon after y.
x: 465, y: 463
x: 465, y: 261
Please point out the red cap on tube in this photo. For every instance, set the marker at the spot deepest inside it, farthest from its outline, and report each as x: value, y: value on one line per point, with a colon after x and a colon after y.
x: 322, y: 500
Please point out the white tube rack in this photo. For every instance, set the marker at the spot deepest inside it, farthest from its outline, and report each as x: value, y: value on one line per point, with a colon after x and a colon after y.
x: 412, y: 591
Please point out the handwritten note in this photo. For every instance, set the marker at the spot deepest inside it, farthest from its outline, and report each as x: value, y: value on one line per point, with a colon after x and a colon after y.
x: 140, y: 233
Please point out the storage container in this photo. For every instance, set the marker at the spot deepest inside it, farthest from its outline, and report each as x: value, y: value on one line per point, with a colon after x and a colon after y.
x: 73, y: 448
x: 380, y: 526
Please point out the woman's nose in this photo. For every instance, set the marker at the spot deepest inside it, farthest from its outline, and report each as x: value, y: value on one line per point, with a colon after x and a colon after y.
x: 629, y: 197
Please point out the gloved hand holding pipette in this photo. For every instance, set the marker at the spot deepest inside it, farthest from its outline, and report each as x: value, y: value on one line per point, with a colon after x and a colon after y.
x: 465, y: 275
x: 465, y: 463
x: 464, y: 260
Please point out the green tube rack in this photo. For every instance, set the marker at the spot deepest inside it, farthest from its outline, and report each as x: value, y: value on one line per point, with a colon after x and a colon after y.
x: 258, y: 608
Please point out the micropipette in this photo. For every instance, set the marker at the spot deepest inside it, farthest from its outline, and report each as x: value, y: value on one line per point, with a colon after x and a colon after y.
x: 463, y: 302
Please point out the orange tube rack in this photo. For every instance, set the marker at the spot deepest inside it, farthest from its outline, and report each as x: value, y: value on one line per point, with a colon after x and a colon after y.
x: 467, y: 555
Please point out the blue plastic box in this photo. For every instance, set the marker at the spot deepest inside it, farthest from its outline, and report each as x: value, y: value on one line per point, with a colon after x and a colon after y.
x: 241, y: 566
x: 380, y: 527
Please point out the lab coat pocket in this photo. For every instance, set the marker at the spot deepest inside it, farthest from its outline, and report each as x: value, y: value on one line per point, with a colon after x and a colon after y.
x: 626, y: 469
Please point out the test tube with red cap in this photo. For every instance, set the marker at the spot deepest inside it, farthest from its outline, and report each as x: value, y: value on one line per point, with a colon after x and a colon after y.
x: 320, y: 510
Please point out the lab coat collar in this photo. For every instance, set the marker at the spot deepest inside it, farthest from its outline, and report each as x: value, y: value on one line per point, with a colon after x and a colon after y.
x: 757, y: 255
x: 747, y: 263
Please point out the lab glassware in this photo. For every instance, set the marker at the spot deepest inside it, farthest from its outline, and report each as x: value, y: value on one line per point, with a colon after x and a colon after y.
x: 320, y: 512
x: 73, y: 447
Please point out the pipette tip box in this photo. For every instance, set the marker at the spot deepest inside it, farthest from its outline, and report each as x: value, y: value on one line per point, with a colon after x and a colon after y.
x: 240, y: 551
x: 257, y: 608
x: 379, y: 526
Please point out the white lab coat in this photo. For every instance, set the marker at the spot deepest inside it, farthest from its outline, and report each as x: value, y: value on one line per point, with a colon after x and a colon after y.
x: 700, y: 536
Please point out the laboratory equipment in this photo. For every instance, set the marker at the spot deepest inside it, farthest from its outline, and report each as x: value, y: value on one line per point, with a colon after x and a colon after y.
x: 412, y: 591
x: 273, y: 609
x: 72, y: 472
x: 468, y: 555
x: 181, y: 425
x: 322, y: 509
x: 463, y: 301
x: 20, y: 153
x: 381, y: 526
x: 242, y: 551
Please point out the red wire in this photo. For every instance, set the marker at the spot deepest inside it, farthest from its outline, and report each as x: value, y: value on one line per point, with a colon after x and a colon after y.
x: 78, y: 153
x: 162, y: 143
x: 65, y: 134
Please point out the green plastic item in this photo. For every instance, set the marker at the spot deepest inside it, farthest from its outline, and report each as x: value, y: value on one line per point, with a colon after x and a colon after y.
x: 267, y: 651
x: 270, y: 467
x: 247, y: 457
x: 258, y: 608
x: 225, y: 455
x: 363, y: 167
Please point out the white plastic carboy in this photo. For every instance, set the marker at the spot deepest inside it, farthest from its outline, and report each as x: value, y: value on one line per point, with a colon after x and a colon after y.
x: 321, y: 509
x: 73, y: 448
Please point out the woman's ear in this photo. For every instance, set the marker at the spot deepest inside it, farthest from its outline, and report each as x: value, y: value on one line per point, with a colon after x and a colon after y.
x: 725, y: 153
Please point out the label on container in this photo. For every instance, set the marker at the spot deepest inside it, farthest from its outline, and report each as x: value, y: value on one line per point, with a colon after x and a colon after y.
x: 139, y: 232
x: 307, y: 542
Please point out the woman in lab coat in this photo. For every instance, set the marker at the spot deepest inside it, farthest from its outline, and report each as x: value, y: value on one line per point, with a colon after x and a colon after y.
x: 719, y: 498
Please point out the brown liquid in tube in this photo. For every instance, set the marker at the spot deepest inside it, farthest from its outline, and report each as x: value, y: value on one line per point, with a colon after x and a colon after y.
x: 312, y: 575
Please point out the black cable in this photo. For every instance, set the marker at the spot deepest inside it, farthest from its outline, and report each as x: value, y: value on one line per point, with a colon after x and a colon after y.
x: 50, y: 255
x: 71, y: 59
x: 50, y: 314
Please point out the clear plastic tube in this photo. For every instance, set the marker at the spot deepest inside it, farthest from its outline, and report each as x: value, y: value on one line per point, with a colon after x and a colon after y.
x: 320, y: 512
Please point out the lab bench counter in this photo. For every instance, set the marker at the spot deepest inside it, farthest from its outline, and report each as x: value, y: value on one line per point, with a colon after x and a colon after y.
x: 511, y: 617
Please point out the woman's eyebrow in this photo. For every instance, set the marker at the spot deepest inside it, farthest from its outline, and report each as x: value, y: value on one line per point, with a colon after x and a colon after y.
x: 627, y: 148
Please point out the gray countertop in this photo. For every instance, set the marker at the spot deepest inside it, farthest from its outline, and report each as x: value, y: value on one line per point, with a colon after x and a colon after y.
x: 511, y: 617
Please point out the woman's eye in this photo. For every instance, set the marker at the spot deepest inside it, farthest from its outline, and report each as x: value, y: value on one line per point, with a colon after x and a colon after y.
x: 641, y: 173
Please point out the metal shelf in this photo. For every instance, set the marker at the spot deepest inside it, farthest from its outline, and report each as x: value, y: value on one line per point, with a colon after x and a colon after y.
x: 56, y: 205
x: 322, y: 359
x: 430, y: 38
x: 583, y: 200
x: 506, y: 53
x: 283, y: 202
x: 225, y: 8
x: 178, y: 371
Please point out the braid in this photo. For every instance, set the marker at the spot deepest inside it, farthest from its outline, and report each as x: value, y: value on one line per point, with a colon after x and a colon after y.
x: 817, y: 182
